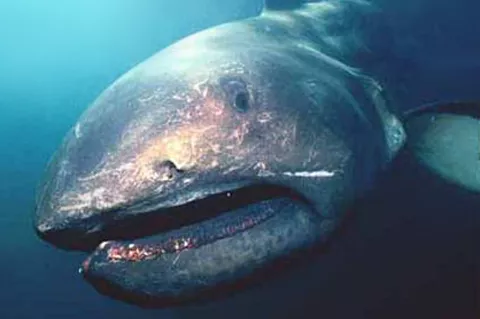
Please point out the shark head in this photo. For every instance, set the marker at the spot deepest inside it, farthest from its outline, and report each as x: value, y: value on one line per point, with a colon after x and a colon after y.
x: 215, y: 158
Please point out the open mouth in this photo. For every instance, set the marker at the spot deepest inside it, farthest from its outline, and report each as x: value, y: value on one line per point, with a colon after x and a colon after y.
x: 192, y: 224
x: 175, y: 254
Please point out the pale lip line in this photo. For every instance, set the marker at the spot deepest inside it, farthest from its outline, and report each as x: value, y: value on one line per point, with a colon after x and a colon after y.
x: 321, y: 173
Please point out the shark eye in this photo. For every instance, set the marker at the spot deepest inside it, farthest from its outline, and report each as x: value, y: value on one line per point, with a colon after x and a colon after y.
x: 236, y: 93
x: 241, y: 101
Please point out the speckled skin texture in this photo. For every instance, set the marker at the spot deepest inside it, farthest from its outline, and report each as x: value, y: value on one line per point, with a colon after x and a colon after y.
x: 271, y: 100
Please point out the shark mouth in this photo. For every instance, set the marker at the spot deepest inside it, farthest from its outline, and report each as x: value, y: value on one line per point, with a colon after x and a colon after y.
x: 196, y: 249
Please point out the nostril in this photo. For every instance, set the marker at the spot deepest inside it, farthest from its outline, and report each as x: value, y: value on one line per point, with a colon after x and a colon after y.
x: 167, y: 169
x: 171, y: 166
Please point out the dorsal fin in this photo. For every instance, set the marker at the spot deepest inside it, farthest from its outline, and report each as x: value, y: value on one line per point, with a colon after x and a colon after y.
x: 283, y: 4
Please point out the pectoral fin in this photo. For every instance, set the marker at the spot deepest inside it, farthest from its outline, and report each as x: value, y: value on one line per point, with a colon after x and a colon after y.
x: 445, y: 138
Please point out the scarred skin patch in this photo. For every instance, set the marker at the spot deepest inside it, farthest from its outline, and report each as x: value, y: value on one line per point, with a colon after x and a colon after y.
x: 204, y: 135
x: 133, y: 253
x: 130, y: 252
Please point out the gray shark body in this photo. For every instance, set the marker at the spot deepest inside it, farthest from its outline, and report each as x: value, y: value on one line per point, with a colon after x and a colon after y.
x: 232, y: 149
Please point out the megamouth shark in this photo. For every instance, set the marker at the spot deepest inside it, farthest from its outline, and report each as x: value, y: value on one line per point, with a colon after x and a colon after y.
x: 246, y: 143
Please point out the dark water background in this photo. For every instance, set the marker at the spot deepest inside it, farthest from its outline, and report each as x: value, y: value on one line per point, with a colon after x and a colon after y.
x: 408, y: 253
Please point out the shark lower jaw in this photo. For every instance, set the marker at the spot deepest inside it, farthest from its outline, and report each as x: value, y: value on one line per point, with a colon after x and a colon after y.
x: 221, y: 240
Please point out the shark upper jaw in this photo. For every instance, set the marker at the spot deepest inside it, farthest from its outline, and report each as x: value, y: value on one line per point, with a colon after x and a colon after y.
x: 217, y: 235
x: 85, y: 229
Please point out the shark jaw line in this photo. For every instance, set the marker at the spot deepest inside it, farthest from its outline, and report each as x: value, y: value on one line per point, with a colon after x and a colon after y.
x: 160, y: 218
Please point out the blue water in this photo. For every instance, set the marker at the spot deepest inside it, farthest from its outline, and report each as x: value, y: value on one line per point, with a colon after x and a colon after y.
x: 57, y: 56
